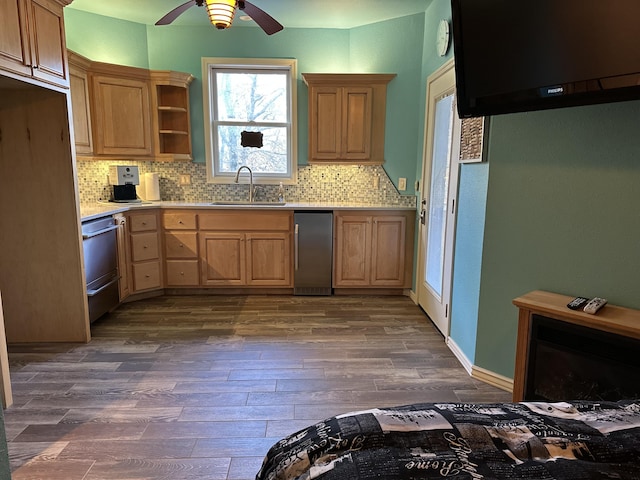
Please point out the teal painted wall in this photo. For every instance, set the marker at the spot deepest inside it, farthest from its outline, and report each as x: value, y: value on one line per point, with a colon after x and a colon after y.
x: 181, y: 48
x: 563, y: 214
x: 374, y: 50
x: 468, y: 256
x: 105, y: 39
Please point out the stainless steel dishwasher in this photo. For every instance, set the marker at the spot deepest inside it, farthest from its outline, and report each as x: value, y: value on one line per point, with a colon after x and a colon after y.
x: 101, y: 265
x: 313, y: 256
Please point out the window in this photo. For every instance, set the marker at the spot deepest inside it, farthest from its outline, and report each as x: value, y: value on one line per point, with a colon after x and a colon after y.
x: 249, y: 109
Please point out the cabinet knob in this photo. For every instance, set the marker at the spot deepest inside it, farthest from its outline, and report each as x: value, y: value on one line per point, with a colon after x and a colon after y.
x: 147, y: 276
x: 181, y: 245
x: 180, y: 222
x: 182, y: 273
x: 144, y: 246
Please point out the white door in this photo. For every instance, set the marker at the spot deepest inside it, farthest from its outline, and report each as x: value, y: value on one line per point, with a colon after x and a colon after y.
x: 440, y: 187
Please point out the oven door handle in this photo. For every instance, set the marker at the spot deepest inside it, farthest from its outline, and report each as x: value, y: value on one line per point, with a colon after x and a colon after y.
x: 91, y: 293
x: 85, y: 236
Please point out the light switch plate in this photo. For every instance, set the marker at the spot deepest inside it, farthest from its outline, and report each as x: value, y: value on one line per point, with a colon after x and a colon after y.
x: 185, y: 179
x: 402, y: 184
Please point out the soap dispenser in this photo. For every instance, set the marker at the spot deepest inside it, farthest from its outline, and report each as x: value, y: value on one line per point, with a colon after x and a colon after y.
x: 281, y: 193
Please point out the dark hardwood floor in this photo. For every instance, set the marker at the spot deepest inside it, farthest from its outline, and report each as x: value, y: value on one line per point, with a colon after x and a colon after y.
x: 199, y: 387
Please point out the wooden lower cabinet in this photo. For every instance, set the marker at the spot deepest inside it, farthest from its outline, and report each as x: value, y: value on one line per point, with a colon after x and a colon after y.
x: 373, y: 249
x: 181, y: 248
x: 144, y: 248
x: 233, y: 255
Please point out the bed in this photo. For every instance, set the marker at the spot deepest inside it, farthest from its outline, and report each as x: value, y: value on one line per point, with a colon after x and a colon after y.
x: 526, y: 440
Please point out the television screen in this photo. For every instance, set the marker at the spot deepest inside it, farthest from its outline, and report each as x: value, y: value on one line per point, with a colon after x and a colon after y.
x: 513, y: 56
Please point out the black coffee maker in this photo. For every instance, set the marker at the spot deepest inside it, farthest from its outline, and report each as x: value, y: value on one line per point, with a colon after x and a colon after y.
x: 123, y: 179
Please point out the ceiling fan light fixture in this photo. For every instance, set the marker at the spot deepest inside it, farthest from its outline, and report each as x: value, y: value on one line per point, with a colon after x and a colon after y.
x: 221, y: 13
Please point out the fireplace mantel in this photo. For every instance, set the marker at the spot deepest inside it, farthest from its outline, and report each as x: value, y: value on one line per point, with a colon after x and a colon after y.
x: 541, y: 311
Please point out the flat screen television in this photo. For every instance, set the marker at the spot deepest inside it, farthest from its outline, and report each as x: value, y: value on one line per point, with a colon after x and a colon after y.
x: 524, y: 55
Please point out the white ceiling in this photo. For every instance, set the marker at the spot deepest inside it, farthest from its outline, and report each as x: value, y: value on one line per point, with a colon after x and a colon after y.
x: 290, y: 13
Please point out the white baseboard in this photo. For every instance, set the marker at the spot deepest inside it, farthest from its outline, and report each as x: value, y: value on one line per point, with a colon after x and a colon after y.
x: 462, y: 358
x: 492, y: 378
x: 479, y: 373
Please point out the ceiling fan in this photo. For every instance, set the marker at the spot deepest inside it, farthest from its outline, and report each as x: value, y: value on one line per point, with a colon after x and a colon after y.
x: 221, y: 13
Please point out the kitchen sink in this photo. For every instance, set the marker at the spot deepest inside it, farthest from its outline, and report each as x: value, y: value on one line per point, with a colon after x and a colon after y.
x: 248, y: 204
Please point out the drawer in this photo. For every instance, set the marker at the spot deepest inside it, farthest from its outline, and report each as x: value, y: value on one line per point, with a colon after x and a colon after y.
x: 244, y: 220
x: 182, y: 273
x: 144, y: 246
x: 142, y: 222
x: 146, y: 276
x: 179, y: 221
x: 181, y: 244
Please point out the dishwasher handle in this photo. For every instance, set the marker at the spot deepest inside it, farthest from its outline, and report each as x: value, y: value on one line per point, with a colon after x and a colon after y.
x: 85, y: 236
x: 94, y: 292
x: 296, y: 245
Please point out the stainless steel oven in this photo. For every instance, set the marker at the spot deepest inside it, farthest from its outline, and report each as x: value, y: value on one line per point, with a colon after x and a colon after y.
x: 100, y: 245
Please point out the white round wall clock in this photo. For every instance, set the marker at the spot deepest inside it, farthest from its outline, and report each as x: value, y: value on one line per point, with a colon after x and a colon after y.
x: 442, y: 38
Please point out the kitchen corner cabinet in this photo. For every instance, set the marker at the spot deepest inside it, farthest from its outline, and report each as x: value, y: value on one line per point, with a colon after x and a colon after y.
x: 121, y: 110
x: 32, y: 41
x: 171, y: 122
x: 242, y: 249
x: 144, y: 246
x: 373, y: 249
x: 347, y: 117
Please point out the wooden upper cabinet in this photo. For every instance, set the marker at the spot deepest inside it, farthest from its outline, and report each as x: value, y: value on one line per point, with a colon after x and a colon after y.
x: 121, y: 111
x: 80, y: 103
x: 347, y: 117
x: 32, y: 40
x: 171, y: 122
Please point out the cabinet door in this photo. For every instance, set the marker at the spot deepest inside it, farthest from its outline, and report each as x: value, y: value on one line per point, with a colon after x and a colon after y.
x: 356, y: 123
x: 352, y: 265
x: 122, y: 116
x: 268, y: 259
x: 81, y: 111
x: 48, y: 44
x: 14, y: 40
x: 388, y: 251
x: 223, y: 258
x: 325, y: 124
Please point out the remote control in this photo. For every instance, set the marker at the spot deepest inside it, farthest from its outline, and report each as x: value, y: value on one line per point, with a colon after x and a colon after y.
x: 595, y: 304
x: 577, y: 303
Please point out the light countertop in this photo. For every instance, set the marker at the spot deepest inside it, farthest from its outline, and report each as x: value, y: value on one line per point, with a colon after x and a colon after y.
x: 90, y: 211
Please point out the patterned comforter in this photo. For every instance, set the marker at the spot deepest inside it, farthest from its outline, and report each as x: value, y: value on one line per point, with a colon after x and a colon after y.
x: 527, y: 440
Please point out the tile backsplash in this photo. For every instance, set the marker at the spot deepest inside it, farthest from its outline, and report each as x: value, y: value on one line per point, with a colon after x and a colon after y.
x: 316, y: 183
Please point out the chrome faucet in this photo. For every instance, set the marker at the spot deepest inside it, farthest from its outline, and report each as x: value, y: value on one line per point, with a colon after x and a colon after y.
x: 250, y: 181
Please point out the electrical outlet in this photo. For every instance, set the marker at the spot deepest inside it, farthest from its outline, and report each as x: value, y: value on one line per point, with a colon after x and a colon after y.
x: 376, y: 182
x: 402, y: 184
x: 185, y: 179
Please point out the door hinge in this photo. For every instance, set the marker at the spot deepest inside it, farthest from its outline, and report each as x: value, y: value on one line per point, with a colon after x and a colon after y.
x: 453, y: 206
x: 446, y: 310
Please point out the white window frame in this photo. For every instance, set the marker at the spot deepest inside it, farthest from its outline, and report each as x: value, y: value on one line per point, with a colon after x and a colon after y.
x: 209, y: 65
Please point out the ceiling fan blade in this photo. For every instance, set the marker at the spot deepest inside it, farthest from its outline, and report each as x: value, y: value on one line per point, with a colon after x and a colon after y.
x: 175, y: 13
x: 265, y: 21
